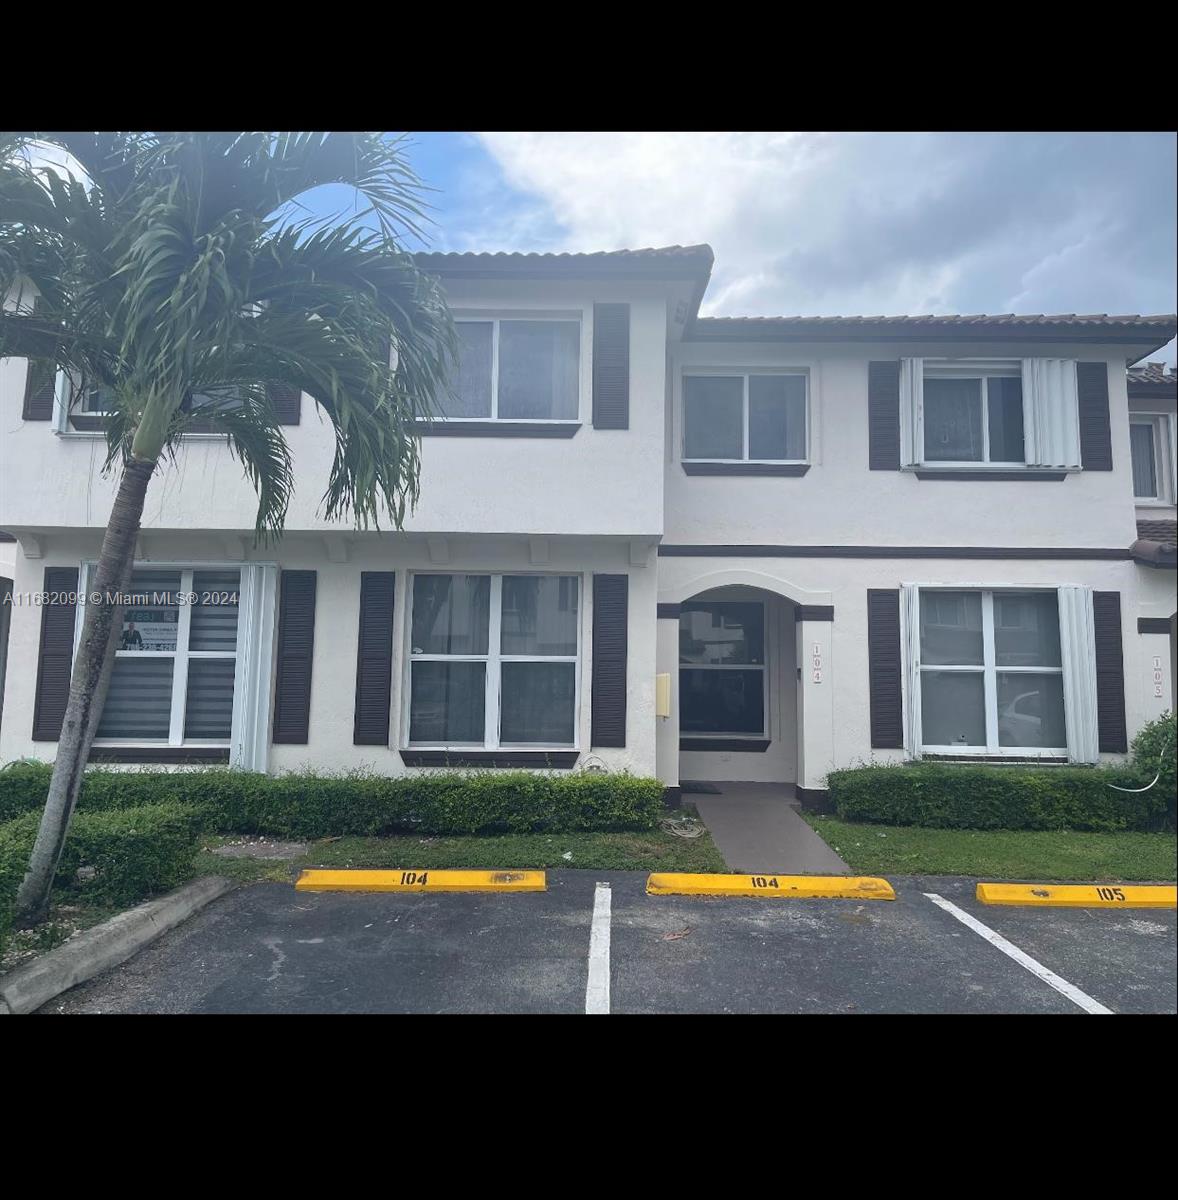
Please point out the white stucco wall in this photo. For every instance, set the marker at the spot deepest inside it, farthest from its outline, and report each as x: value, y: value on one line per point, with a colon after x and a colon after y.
x: 841, y: 502
x: 333, y: 685
x: 597, y: 482
x: 844, y: 582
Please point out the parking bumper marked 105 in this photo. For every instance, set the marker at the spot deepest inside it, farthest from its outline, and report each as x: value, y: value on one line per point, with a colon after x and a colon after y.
x: 796, y: 887
x: 421, y: 881
x: 1087, y: 895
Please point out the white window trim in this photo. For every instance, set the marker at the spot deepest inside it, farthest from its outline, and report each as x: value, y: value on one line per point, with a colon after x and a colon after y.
x: 1161, y: 424
x: 1053, y: 447
x: 743, y: 373
x: 63, y: 394
x: 762, y: 667
x: 495, y: 319
x: 988, y: 669
x: 249, y: 734
x: 983, y: 372
x: 494, y: 658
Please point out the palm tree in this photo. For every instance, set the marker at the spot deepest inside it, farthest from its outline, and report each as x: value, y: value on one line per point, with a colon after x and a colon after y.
x: 179, y: 265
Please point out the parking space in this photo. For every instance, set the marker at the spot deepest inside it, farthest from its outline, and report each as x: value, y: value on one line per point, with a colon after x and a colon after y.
x: 266, y: 948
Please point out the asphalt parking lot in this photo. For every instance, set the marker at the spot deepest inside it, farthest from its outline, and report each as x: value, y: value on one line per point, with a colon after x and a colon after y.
x: 267, y: 949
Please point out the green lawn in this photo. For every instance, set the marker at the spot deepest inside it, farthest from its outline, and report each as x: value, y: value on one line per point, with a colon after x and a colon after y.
x: 1001, y: 854
x: 645, y: 851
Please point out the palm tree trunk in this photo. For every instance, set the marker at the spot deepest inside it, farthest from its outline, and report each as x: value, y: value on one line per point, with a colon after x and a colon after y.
x: 88, y: 687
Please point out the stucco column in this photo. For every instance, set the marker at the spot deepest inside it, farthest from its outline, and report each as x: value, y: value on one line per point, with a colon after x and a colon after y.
x: 667, y: 663
x: 815, y: 696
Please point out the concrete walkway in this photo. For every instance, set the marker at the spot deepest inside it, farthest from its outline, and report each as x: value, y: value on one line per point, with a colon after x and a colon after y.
x: 757, y: 827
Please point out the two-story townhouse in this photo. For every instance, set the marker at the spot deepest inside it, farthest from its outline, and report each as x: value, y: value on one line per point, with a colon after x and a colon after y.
x: 743, y: 549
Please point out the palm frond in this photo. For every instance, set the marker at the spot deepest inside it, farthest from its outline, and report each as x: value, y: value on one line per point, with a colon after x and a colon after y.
x: 166, y: 271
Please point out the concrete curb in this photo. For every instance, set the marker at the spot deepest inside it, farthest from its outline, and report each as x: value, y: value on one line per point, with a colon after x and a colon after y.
x: 104, y: 946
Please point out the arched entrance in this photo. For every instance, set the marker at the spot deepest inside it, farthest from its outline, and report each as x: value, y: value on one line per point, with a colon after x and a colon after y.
x: 748, y: 658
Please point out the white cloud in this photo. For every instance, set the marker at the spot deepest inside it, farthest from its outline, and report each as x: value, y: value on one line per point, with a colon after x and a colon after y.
x: 862, y: 223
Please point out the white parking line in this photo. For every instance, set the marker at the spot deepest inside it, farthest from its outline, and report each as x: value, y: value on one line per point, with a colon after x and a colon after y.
x: 1037, y: 969
x: 597, y: 988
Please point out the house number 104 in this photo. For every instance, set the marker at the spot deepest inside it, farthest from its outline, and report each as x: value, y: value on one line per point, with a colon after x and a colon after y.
x: 816, y: 663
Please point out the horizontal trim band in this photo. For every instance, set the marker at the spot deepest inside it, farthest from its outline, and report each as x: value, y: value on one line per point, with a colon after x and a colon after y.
x: 1030, y: 552
x: 668, y: 612
x: 158, y: 754
x: 496, y: 429
x: 813, y: 612
x: 781, y: 469
x: 561, y: 759
x: 1028, y: 476
x: 748, y: 745
x: 1153, y: 625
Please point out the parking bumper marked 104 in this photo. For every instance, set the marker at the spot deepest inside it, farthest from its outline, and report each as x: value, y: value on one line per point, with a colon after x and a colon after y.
x: 409, y: 880
x: 1087, y: 895
x: 1023, y: 959
x: 795, y: 887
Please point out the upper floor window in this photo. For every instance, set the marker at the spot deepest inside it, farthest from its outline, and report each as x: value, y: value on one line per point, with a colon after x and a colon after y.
x: 1149, y: 449
x: 88, y: 407
x: 982, y: 415
x: 516, y: 370
x: 748, y: 417
x: 975, y: 418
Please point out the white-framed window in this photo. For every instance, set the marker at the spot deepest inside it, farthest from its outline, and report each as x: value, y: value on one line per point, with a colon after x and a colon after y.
x: 1149, y: 450
x: 494, y: 660
x: 524, y: 368
x: 989, y: 672
x: 989, y: 414
x: 176, y: 667
x: 79, y: 410
x: 750, y: 416
x: 973, y: 415
x: 94, y: 402
x: 723, y: 674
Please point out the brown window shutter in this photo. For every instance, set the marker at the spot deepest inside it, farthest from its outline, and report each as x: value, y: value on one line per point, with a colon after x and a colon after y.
x: 374, y: 658
x: 611, y: 366
x: 296, y: 648
x: 40, y: 385
x: 1110, y: 673
x: 55, y: 657
x: 287, y: 403
x: 883, y: 415
x: 885, y: 669
x: 1096, y: 437
x: 611, y: 610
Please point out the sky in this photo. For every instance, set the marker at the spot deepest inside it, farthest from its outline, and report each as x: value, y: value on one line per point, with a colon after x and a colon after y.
x: 836, y: 224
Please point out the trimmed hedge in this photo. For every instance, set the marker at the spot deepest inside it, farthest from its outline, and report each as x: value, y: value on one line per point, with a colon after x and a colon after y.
x: 986, y: 796
x: 1153, y: 752
x: 132, y: 853
x: 313, y: 806
x: 990, y: 796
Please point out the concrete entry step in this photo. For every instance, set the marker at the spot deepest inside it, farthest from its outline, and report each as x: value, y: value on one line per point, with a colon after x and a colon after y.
x: 757, y: 827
